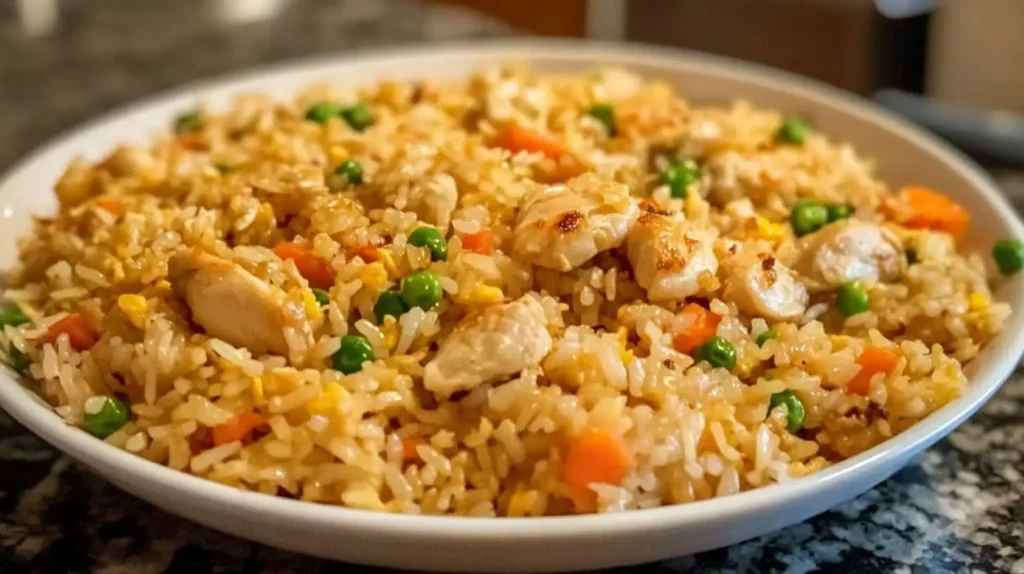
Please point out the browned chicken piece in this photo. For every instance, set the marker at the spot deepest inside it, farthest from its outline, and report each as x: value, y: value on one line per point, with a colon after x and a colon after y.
x: 561, y: 227
x: 496, y: 342
x: 671, y: 258
x: 125, y: 161
x: 760, y: 285
x: 230, y: 303
x: 849, y: 250
x: 78, y: 183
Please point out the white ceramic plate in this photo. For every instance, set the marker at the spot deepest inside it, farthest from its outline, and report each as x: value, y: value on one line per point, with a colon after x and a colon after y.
x: 905, y: 156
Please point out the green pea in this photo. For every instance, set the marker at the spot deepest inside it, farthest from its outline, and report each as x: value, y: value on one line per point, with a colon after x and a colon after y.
x: 359, y: 117
x: 355, y: 350
x: 18, y: 361
x: 794, y: 409
x: 421, y: 289
x: 351, y: 171
x: 323, y: 298
x: 433, y: 240
x: 839, y: 211
x: 1009, y: 255
x: 766, y: 336
x: 852, y: 298
x: 717, y: 351
x: 679, y: 176
x: 793, y: 131
x: 12, y: 315
x: 104, y: 416
x: 323, y: 112
x: 188, y: 123
x: 807, y: 216
x: 389, y: 303
x: 222, y: 168
x: 911, y: 256
x: 605, y: 113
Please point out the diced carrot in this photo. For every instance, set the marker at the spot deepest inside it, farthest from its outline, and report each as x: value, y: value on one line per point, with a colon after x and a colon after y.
x: 367, y: 253
x: 516, y: 139
x: 80, y: 334
x: 317, y: 271
x: 111, y: 204
x: 872, y: 360
x: 481, y: 242
x: 931, y: 210
x: 596, y: 456
x: 195, y: 142
x: 564, y: 165
x: 703, y: 326
x: 409, y: 445
x: 238, y: 428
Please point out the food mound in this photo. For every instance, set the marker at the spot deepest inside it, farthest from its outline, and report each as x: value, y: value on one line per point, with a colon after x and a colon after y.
x: 510, y: 295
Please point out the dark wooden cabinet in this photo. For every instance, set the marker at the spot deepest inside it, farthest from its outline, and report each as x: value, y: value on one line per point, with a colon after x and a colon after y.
x: 542, y: 17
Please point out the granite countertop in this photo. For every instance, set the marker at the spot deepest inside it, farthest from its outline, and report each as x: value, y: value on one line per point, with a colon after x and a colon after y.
x: 958, y: 508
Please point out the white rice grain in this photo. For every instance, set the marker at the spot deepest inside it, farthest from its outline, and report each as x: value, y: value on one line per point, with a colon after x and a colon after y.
x: 203, y: 461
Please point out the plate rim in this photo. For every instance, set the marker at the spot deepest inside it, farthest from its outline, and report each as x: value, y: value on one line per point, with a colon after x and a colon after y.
x: 43, y: 422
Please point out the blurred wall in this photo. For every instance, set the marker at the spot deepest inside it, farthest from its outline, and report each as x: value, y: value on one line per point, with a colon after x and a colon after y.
x: 826, y: 39
x: 976, y: 53
x: 544, y: 17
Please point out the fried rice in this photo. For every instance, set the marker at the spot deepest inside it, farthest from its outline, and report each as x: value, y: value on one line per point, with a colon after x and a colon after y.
x: 621, y: 300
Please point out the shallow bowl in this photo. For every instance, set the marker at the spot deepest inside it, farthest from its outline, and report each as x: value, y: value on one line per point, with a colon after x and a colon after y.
x: 905, y: 155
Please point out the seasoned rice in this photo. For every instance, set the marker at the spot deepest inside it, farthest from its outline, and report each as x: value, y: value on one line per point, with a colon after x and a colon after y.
x: 438, y: 422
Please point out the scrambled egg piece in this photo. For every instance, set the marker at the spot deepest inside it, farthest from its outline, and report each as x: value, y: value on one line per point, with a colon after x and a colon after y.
x: 327, y: 402
x: 388, y: 261
x: 977, y: 301
x: 338, y: 154
x: 520, y: 503
x: 374, y: 275
x: 135, y: 307
x: 391, y: 332
x: 773, y: 232
x: 483, y: 295
x: 257, y: 392
x: 306, y: 298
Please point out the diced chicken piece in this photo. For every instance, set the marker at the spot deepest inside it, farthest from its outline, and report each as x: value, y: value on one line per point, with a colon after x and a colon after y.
x: 128, y: 161
x: 508, y: 96
x: 849, y: 250
x: 77, y: 184
x: 671, y: 259
x: 440, y: 196
x: 230, y: 303
x: 561, y: 227
x: 614, y: 84
x: 933, y: 245
x: 700, y: 137
x: 493, y: 343
x: 732, y: 176
x: 762, y: 286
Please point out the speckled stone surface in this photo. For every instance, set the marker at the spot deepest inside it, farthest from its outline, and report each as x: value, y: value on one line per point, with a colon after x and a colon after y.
x: 958, y: 509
